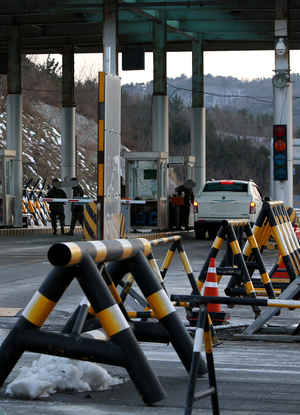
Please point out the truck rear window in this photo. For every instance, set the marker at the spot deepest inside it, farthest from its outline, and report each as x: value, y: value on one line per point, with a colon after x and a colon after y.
x: 225, y: 187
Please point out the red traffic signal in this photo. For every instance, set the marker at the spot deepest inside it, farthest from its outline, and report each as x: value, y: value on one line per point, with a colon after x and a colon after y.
x: 279, y: 130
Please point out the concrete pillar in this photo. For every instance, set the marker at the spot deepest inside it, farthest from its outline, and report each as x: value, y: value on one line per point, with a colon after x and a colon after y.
x: 160, y: 106
x: 160, y: 123
x: 282, y: 98
x: 14, y: 116
x: 198, y: 116
x: 68, y: 135
x: 198, y: 145
x: 110, y: 36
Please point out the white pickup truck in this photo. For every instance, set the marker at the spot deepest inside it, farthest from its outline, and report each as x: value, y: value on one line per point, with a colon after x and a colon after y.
x: 225, y: 199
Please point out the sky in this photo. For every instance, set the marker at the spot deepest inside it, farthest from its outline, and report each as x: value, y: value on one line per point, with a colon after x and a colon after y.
x: 238, y: 64
x: 244, y: 65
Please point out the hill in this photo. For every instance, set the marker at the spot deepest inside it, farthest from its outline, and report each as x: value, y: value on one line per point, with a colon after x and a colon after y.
x: 42, y: 145
x: 228, y: 92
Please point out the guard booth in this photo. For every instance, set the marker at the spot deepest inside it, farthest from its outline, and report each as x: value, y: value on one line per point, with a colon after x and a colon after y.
x: 147, y: 180
x: 7, y: 200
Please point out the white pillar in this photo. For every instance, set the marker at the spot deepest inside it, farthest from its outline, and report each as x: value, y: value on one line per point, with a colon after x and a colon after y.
x: 110, y: 39
x: 160, y: 123
x: 68, y: 151
x: 282, y: 101
x: 14, y: 142
x: 14, y: 115
x: 198, y: 145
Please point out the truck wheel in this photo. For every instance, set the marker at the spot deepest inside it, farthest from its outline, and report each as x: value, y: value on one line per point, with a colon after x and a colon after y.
x: 200, y: 234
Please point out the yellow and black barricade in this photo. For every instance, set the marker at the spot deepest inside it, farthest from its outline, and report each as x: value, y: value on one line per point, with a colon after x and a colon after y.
x: 118, y: 344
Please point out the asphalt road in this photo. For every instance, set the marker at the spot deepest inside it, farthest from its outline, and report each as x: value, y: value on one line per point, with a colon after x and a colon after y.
x: 253, y: 377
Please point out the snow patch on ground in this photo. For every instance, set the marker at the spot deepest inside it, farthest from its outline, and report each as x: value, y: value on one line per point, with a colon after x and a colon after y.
x: 50, y: 374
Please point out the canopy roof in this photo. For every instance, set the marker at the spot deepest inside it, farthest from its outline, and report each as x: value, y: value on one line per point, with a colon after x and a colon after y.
x: 47, y: 25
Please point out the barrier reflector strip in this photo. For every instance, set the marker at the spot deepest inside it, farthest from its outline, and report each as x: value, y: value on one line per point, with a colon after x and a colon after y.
x: 198, y: 340
x: 127, y: 249
x: 101, y: 251
x: 167, y: 260
x: 235, y: 247
x: 75, y: 253
x: 112, y: 320
x: 186, y: 263
x: 38, y: 309
x: 217, y: 243
x: 249, y: 287
x: 160, y: 304
x: 280, y: 241
x: 252, y: 242
x: 115, y: 294
x: 284, y: 303
x: 208, y: 342
x: 154, y: 267
x: 265, y: 278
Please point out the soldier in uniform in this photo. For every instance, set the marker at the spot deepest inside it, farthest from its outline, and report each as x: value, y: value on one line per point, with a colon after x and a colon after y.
x: 57, y: 209
x: 77, y: 210
x: 188, y: 200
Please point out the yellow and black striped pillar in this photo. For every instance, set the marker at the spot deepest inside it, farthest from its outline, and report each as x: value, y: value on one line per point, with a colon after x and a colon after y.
x: 101, y: 144
x: 90, y: 223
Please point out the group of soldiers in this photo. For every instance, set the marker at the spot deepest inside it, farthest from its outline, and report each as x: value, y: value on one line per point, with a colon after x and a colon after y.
x: 57, y: 209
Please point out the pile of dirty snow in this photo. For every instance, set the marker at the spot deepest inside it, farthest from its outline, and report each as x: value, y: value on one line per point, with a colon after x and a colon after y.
x: 51, y: 374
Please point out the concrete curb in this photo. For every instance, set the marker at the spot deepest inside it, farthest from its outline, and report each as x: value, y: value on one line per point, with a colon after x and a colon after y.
x: 78, y: 230
x: 34, y: 231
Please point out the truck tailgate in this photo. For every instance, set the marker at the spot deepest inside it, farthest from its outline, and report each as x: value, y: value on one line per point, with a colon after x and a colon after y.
x: 223, y: 208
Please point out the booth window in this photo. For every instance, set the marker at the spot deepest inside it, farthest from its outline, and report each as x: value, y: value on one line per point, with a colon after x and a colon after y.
x: 143, y: 179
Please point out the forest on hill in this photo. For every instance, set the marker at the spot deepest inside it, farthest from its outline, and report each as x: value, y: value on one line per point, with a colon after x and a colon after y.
x: 237, y: 136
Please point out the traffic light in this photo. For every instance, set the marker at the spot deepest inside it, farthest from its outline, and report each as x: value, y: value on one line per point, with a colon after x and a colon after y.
x: 280, y: 152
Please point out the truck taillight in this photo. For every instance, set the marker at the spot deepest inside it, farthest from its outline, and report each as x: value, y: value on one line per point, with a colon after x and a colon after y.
x: 252, y: 207
x: 195, y: 207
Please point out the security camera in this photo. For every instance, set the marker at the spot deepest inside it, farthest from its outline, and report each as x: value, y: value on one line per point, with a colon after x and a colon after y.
x: 280, y: 47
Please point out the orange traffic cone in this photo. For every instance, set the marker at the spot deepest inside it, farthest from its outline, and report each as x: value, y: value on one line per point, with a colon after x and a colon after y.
x: 281, y: 276
x: 211, y: 289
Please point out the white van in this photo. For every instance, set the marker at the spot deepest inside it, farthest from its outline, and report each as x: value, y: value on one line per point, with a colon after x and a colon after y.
x: 225, y: 199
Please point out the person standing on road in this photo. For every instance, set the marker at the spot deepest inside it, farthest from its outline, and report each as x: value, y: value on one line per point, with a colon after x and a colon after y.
x: 77, y: 210
x: 57, y: 209
x: 187, y: 202
x: 188, y: 189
